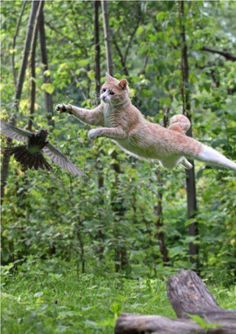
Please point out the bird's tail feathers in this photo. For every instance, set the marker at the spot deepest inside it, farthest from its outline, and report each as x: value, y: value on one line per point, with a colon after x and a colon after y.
x: 28, y: 160
x: 215, y: 158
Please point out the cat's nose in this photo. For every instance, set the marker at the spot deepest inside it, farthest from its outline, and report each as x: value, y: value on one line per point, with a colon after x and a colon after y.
x: 104, y: 98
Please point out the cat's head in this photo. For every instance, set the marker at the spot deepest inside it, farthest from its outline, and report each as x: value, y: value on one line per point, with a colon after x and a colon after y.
x: 114, y: 92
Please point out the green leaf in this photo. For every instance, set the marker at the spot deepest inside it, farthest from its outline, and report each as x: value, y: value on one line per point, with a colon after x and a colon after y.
x: 83, y: 62
x: 48, y: 88
x: 91, y: 75
x: 202, y: 323
x: 47, y: 73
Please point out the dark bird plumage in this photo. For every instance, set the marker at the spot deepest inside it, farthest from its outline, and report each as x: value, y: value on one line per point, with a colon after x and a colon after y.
x: 31, y: 155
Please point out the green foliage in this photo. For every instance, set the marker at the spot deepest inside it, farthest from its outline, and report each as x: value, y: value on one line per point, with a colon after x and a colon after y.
x: 53, y: 298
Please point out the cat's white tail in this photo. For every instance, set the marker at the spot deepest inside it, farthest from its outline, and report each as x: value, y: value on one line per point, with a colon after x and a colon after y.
x: 215, y: 158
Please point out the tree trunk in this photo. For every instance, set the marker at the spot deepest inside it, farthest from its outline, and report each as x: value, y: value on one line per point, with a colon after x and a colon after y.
x: 33, y: 74
x: 32, y: 83
x: 14, y: 41
x: 190, y: 174
x: 46, y: 75
x: 159, y: 220
x: 100, y: 178
x: 107, y: 37
x: 185, y: 287
x: 19, y: 86
x: 97, y: 49
x: 118, y: 208
x: 27, y: 47
x: 158, y: 208
x: 5, y: 163
x: 81, y: 261
x: 117, y: 202
x: 189, y: 297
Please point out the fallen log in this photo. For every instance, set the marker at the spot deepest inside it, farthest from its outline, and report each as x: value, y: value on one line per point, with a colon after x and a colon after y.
x: 195, y: 307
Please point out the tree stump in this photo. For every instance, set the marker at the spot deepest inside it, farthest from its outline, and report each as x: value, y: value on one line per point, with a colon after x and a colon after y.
x: 189, y: 297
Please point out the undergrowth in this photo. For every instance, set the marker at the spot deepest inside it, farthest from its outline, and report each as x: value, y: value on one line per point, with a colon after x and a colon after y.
x: 52, y: 297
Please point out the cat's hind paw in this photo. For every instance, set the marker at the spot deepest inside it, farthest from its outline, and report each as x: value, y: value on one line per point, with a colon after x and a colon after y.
x: 186, y: 164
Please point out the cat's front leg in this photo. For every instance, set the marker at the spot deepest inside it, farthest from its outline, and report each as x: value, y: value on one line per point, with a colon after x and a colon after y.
x: 114, y: 133
x: 92, y: 117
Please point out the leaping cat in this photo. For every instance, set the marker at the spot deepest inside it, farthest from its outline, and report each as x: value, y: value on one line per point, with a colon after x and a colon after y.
x: 121, y: 121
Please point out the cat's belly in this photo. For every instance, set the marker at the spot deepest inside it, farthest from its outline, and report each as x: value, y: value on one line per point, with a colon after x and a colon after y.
x: 166, y: 159
x: 151, y: 141
x: 139, y: 150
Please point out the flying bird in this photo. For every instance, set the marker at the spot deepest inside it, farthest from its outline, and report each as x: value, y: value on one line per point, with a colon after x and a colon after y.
x: 31, y: 154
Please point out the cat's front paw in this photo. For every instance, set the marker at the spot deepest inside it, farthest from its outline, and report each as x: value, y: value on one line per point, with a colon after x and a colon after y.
x: 63, y: 108
x: 94, y: 133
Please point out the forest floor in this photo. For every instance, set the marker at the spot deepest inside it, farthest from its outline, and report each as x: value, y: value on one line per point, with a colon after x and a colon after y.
x: 49, y: 297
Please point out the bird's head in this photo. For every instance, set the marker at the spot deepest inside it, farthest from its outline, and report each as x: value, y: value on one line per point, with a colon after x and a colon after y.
x: 42, y: 134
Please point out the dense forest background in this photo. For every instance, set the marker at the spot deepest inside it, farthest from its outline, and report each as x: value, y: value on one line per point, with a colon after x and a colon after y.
x: 128, y: 216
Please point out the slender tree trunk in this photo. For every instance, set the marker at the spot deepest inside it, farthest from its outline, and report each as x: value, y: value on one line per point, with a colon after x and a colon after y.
x: 81, y: 246
x: 27, y: 47
x: 121, y: 258
x: 97, y: 48
x: 118, y: 208
x: 14, y: 41
x: 159, y: 221
x: 5, y: 163
x: 190, y: 174
x: 19, y: 87
x: 159, y: 209
x: 100, y: 181
x: 33, y: 74
x: 32, y: 84
x: 107, y: 37
x: 46, y: 75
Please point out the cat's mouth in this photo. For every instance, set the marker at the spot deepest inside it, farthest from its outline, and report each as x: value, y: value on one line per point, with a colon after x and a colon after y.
x: 105, y: 99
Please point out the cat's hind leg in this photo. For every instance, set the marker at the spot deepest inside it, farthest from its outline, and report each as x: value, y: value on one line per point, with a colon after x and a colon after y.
x: 174, y: 161
x: 179, y: 123
x: 171, y: 162
x: 186, y: 163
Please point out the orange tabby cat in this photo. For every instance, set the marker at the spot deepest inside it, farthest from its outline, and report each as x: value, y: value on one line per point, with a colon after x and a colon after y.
x: 121, y: 121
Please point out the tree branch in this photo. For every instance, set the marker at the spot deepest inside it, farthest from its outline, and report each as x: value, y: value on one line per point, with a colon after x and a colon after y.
x: 58, y: 30
x: 133, y: 34
x: 122, y: 58
x: 227, y: 55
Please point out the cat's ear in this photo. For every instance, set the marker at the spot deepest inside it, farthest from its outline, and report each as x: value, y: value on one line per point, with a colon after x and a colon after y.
x: 109, y: 77
x: 123, y: 84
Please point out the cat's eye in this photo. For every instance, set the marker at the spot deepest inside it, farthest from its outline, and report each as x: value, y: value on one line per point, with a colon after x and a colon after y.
x: 111, y: 92
x: 103, y: 90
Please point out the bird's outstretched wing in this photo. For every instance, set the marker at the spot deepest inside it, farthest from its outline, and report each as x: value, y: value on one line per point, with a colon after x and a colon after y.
x: 12, y: 132
x: 58, y: 158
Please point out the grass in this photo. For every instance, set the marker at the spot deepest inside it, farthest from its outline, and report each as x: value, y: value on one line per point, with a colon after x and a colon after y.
x: 52, y: 298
